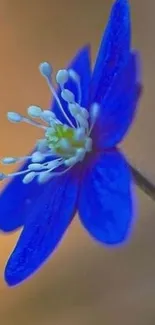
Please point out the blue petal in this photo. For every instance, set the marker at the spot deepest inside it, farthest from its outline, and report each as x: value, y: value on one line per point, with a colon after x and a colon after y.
x: 114, y: 50
x: 105, y: 202
x: 16, y: 200
x: 81, y: 64
x: 118, y: 107
x: 48, y: 219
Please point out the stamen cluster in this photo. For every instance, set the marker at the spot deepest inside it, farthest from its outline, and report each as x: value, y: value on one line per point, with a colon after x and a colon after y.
x: 63, y: 145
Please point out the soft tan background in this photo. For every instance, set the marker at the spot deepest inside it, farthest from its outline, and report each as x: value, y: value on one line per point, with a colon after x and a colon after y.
x: 84, y: 283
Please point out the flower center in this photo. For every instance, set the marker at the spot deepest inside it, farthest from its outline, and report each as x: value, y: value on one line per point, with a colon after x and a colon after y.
x: 63, y: 145
x: 63, y: 140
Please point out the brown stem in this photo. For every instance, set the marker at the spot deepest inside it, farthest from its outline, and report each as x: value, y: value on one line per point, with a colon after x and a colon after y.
x: 142, y: 182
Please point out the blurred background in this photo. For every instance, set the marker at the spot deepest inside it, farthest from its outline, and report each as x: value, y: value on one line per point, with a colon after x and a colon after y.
x: 83, y: 283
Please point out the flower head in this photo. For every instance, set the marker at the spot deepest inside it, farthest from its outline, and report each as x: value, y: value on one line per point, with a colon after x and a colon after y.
x: 76, y: 165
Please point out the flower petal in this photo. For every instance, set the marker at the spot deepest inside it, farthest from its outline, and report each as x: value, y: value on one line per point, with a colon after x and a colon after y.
x: 48, y: 219
x: 105, y: 202
x: 113, y: 51
x: 15, y: 201
x: 118, y: 107
x: 82, y: 66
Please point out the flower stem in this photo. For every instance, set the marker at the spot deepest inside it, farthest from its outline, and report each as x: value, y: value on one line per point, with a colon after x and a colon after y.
x: 142, y: 182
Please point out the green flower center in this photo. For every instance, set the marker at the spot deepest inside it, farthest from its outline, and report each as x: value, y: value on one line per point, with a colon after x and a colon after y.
x: 62, y: 139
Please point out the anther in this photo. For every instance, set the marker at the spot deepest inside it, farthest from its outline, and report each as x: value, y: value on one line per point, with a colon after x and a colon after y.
x: 88, y: 144
x: 71, y: 161
x: 62, y: 77
x: 34, y: 111
x: 29, y: 177
x: 83, y: 122
x: 37, y: 157
x: 79, y: 134
x: 68, y: 96
x: 74, y: 108
x: 9, y: 160
x: 35, y: 166
x: 42, y: 145
x: 80, y: 153
x: 76, y: 78
x: 94, y: 110
x: 14, y: 117
x: 45, y: 69
x: 73, y: 75
x: 47, y: 114
x: 84, y: 113
x: 44, y: 177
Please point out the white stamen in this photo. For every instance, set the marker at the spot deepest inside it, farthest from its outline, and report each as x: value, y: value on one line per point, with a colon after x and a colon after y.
x: 64, y: 171
x: 9, y: 160
x: 29, y: 177
x: 18, y: 173
x: 37, y: 157
x: 80, y: 153
x: 45, y: 69
x: 48, y: 116
x: 14, y: 117
x: 13, y: 160
x: 34, y: 111
x: 42, y: 145
x: 94, y: 111
x: 62, y: 77
x: 50, y: 131
x: 88, y: 144
x: 76, y: 78
x: 44, y: 177
x: 74, y: 108
x: 35, y: 166
x: 73, y: 74
x: 84, y: 113
x: 47, y: 175
x: 68, y: 146
x: 79, y: 134
x: 34, y: 123
x: 54, y: 164
x: 71, y: 161
x: 48, y: 79
x: 83, y: 122
x: 3, y: 176
x: 68, y: 96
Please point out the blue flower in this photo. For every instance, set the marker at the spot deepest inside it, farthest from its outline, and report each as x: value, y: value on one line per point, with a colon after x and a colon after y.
x: 77, y: 165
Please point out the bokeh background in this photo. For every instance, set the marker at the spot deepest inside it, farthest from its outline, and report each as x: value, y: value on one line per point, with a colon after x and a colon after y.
x: 84, y: 283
